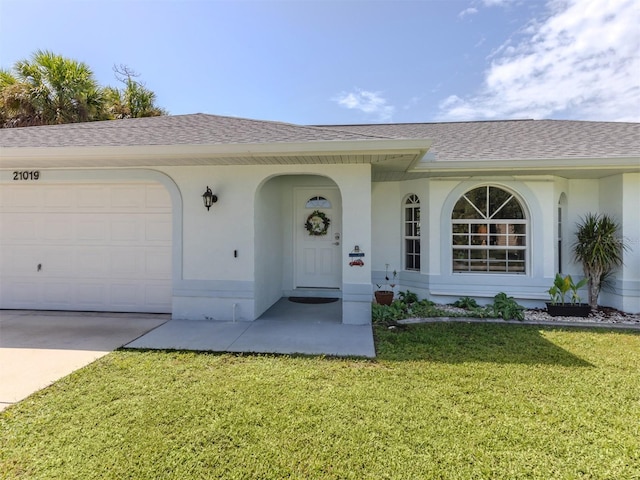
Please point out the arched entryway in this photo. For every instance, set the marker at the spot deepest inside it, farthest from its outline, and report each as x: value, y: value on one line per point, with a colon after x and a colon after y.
x: 298, y: 238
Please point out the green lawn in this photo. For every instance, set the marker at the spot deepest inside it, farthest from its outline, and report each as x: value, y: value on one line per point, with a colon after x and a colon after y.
x: 441, y: 401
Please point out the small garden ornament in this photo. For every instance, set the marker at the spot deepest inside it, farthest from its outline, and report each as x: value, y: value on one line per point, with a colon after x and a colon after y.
x: 385, y: 296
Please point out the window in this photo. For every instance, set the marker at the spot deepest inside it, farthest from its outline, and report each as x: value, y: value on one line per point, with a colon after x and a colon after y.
x: 561, y: 222
x: 489, y: 232
x: 318, y: 202
x: 559, y: 238
x: 412, y: 233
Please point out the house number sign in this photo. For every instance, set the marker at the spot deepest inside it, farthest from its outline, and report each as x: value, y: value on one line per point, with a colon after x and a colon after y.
x: 26, y: 175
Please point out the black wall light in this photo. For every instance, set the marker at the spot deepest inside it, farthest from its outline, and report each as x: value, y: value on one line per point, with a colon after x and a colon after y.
x: 209, y: 198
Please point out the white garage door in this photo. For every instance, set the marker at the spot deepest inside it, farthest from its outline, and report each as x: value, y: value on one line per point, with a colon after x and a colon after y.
x: 92, y: 247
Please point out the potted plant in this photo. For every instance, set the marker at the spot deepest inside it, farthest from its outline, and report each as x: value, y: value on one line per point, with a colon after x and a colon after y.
x: 384, y: 296
x: 559, y: 291
x: 599, y: 248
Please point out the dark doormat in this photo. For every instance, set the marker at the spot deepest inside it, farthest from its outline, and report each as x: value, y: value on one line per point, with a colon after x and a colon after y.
x: 312, y: 300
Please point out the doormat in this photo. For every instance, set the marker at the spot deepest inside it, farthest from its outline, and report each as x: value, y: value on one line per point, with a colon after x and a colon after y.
x: 312, y: 300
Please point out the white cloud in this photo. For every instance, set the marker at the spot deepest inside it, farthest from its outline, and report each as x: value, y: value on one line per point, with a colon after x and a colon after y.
x: 468, y: 11
x: 582, y: 62
x: 371, y: 103
x: 496, y: 3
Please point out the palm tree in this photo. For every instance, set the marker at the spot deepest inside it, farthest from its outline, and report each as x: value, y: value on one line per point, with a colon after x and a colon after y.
x: 134, y: 100
x: 59, y: 90
x: 50, y: 89
x: 599, y: 248
x: 16, y: 108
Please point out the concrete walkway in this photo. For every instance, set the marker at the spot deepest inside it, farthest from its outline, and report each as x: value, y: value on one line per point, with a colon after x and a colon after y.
x: 39, y: 347
x: 286, y: 328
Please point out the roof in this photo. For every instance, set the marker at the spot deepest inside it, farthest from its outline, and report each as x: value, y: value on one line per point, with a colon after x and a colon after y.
x: 396, y: 151
x: 195, y: 129
x: 515, y: 139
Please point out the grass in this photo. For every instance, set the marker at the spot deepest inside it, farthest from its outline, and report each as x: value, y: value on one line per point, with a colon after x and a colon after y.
x: 441, y: 401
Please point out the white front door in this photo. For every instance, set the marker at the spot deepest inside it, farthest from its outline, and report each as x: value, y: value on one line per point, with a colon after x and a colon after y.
x: 317, y: 260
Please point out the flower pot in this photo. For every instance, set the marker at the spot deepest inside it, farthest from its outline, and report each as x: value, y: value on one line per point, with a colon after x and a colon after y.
x: 384, y: 297
x: 569, y: 309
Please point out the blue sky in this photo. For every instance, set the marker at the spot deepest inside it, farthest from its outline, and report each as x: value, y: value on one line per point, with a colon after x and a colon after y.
x: 352, y: 61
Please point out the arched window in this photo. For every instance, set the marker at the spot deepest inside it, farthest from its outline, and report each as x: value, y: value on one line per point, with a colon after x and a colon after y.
x: 489, y: 232
x: 412, y: 233
x: 318, y: 202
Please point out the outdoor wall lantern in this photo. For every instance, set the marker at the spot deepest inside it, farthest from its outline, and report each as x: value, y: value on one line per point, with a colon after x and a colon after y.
x: 209, y: 198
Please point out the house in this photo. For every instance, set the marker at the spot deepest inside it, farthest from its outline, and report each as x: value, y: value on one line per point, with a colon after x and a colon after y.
x: 111, y: 216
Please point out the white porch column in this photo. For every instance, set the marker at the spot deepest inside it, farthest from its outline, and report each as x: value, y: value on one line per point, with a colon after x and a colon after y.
x: 355, y: 187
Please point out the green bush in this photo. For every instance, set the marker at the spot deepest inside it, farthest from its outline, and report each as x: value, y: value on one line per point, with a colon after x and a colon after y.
x: 467, y: 303
x: 507, y: 308
x: 387, y: 314
x: 408, y: 297
x: 407, y: 306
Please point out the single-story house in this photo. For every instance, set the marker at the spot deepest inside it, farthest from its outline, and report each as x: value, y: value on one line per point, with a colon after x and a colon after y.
x: 111, y: 216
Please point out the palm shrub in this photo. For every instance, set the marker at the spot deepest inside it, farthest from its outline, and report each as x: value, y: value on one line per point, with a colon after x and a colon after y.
x: 599, y: 248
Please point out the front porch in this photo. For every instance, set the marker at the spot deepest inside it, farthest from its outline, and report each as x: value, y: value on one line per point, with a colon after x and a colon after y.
x: 285, y: 328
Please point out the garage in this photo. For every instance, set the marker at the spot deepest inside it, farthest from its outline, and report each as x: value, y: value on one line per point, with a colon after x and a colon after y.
x: 86, y: 247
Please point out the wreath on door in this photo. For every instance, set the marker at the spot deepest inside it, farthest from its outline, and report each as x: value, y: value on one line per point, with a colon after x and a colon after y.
x: 317, y: 223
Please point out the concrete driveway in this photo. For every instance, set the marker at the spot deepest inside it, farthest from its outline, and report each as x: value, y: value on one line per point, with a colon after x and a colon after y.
x: 38, y: 347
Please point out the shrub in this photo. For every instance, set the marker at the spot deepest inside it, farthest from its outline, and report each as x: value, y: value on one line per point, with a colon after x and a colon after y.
x: 506, y: 307
x: 467, y: 303
x: 599, y: 248
x: 562, y: 286
x: 408, y: 297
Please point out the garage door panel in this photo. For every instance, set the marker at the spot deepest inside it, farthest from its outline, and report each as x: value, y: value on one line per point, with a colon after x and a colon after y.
x: 18, y: 227
x: 157, y: 295
x: 158, y: 263
x: 91, y: 294
x: 57, y: 198
x: 55, y: 261
x: 21, y: 290
x: 158, y: 229
x: 126, y: 294
x: 125, y: 263
x: 58, y: 293
x: 58, y: 228
x: 92, y: 262
x: 94, y: 198
x: 91, y: 230
x: 128, y: 197
x: 19, y: 199
x: 100, y: 247
x: 125, y: 231
x: 18, y: 260
x: 157, y: 198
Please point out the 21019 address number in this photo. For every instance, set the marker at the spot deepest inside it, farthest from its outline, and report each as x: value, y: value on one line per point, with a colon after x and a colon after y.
x: 26, y: 175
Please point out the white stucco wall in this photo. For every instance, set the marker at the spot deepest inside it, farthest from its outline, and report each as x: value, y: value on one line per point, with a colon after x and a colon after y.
x: 437, y: 198
x: 269, y: 228
x: 619, y: 196
x: 214, y: 284
x: 210, y: 282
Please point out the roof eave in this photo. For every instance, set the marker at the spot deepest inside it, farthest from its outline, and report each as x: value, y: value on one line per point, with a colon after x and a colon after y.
x: 546, y: 164
x: 23, y: 156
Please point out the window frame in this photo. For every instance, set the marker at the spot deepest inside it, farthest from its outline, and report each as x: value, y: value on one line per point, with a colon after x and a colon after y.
x: 488, y: 245
x: 411, y: 238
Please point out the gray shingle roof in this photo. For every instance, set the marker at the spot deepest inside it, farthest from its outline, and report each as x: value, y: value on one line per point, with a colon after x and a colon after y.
x: 516, y: 139
x: 496, y: 140
x: 195, y: 129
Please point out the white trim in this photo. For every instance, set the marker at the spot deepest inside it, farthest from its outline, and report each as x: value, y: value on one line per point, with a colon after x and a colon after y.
x: 180, y: 152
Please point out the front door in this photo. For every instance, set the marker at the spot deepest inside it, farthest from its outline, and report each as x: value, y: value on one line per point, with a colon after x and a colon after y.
x: 318, y: 245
